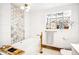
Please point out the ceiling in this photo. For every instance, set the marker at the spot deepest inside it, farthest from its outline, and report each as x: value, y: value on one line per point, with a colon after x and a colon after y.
x: 42, y: 6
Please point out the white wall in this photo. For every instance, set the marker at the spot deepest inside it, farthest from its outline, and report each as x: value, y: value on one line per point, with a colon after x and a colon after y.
x: 38, y: 22
x: 27, y: 24
x: 5, y: 24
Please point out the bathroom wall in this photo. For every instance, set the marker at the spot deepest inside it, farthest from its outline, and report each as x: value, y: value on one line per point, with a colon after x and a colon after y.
x: 38, y: 22
x: 17, y: 24
x: 5, y: 24
x: 27, y: 24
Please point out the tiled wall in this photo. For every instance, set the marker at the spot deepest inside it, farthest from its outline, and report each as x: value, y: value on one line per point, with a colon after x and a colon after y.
x: 17, y: 24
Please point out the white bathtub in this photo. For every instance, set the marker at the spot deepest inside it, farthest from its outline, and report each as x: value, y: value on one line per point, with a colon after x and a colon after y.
x: 30, y: 46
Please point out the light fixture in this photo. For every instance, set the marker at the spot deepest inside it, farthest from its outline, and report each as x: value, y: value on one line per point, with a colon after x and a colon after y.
x: 25, y: 7
x: 22, y: 7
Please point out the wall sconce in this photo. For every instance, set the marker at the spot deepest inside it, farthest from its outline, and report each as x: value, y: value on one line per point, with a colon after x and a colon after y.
x: 25, y: 7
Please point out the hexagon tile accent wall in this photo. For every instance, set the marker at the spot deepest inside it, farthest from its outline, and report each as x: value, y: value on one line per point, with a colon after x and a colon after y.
x: 17, y: 24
